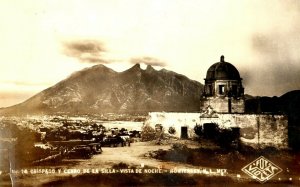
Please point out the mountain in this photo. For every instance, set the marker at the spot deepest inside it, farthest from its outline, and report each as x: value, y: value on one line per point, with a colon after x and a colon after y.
x: 288, y: 104
x: 99, y: 89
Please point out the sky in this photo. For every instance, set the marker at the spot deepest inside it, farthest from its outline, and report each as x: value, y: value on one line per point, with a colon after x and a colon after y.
x: 43, y: 41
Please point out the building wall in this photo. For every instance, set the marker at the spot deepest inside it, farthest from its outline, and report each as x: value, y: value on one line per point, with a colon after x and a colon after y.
x: 175, y: 120
x: 220, y: 104
x: 256, y: 130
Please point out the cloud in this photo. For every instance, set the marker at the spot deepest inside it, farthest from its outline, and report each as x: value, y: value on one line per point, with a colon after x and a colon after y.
x: 26, y: 83
x: 279, y: 62
x: 148, y: 61
x: 9, y: 98
x: 15, y: 94
x: 86, y: 51
x: 274, y: 60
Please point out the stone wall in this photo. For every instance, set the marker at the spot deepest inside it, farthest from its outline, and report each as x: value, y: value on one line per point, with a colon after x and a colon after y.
x: 256, y: 130
x: 220, y: 104
x: 175, y: 120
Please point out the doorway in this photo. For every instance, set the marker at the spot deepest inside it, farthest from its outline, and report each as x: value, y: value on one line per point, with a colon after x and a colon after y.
x: 210, y: 130
x: 184, y: 133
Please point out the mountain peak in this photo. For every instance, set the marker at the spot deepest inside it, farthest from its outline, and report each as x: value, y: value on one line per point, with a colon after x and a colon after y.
x: 98, y: 89
x: 135, y: 68
x: 150, y: 68
x: 99, y: 68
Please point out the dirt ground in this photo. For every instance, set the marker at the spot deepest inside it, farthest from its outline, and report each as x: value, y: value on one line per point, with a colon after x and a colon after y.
x: 130, y: 156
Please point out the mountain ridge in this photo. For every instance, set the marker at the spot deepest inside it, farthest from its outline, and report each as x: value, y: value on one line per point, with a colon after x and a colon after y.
x: 99, y: 89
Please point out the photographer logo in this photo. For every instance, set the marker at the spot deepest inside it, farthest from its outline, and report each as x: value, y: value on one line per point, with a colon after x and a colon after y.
x: 261, y: 169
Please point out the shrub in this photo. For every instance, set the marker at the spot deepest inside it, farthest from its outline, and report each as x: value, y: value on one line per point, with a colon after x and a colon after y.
x: 198, y: 130
x: 172, y: 130
x: 148, y: 133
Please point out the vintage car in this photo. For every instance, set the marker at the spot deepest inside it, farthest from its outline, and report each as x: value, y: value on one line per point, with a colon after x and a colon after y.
x: 95, y: 147
x: 113, y: 141
x: 134, y: 134
x: 80, y: 152
x: 127, y: 139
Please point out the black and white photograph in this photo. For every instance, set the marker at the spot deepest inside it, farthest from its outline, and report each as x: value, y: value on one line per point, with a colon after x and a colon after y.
x: 150, y: 93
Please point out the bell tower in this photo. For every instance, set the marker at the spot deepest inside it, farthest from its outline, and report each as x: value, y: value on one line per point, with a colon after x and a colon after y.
x: 223, y: 90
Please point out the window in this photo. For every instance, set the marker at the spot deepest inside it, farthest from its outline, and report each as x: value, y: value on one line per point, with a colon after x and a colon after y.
x: 221, y: 89
x: 234, y: 90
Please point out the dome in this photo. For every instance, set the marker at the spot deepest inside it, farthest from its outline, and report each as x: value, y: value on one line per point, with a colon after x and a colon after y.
x: 222, y: 71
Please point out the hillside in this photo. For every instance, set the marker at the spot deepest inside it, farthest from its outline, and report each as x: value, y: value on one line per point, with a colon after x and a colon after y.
x: 99, y: 89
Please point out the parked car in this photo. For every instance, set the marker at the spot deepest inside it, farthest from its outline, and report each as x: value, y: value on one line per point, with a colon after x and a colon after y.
x: 135, y: 134
x: 96, y: 148
x: 80, y: 151
x: 113, y: 141
x: 127, y: 139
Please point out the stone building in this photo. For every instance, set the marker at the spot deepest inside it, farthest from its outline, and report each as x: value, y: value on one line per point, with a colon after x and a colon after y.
x: 222, y: 104
x: 223, y: 89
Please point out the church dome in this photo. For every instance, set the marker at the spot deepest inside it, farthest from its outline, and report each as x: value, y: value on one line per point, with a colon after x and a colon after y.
x: 222, y: 71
